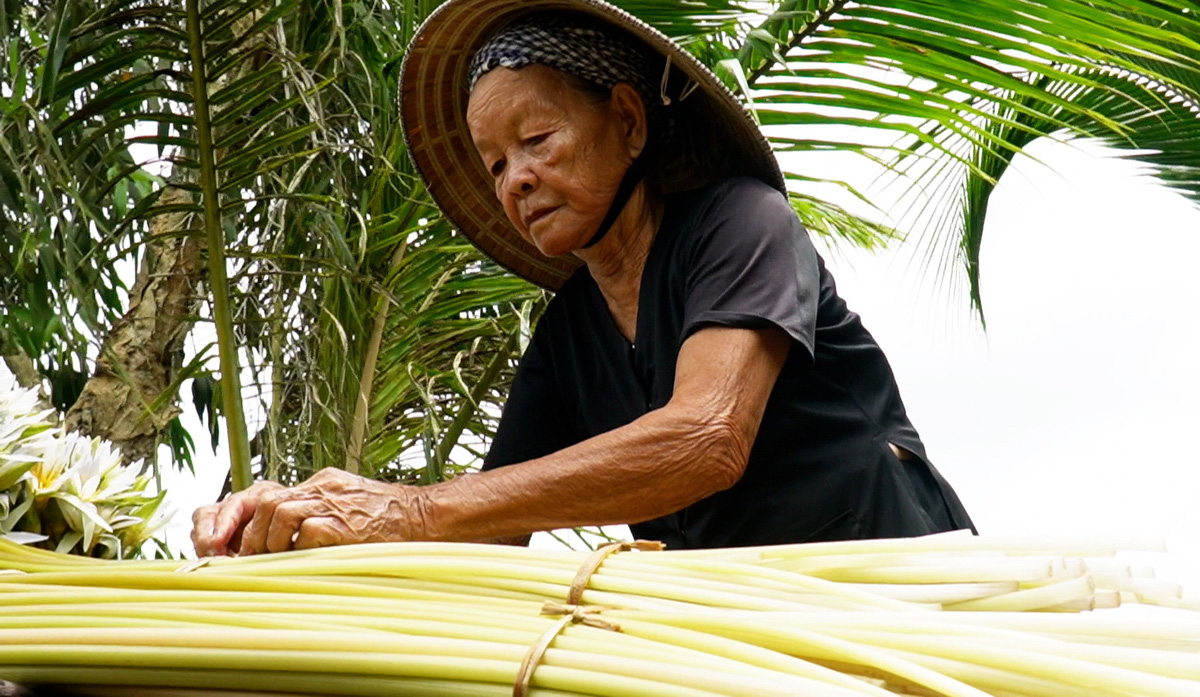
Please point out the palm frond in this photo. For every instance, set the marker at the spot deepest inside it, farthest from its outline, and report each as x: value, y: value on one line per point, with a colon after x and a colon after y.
x: 966, y: 88
x: 1165, y: 135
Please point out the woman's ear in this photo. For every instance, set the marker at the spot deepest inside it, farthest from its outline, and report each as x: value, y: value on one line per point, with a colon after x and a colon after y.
x: 630, y: 111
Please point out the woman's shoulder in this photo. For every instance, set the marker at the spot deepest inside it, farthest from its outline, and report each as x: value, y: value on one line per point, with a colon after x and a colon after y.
x: 733, y: 198
x: 739, y: 206
x: 736, y: 190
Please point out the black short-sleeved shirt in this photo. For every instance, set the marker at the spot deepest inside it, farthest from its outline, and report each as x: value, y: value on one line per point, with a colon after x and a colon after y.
x: 733, y: 254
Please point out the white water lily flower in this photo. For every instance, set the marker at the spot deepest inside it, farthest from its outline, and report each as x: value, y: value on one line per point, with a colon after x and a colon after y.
x: 25, y: 433
x: 20, y: 403
x: 69, y: 492
x: 24, y: 538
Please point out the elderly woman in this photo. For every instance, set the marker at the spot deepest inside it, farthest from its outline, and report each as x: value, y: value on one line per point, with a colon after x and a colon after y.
x: 696, y: 375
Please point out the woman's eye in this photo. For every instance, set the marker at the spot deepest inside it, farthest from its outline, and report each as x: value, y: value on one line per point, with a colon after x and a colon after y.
x: 537, y: 139
x: 498, y: 168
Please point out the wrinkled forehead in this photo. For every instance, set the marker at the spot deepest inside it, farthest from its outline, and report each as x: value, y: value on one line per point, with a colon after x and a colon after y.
x: 506, y: 98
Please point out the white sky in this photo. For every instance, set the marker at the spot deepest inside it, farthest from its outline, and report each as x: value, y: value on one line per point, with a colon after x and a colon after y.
x: 1077, y: 412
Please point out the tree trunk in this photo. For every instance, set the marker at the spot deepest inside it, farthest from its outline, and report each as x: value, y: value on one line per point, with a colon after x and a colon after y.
x: 24, y: 370
x: 142, y: 354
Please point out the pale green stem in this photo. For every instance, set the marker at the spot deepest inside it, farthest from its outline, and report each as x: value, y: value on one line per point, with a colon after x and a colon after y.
x: 252, y: 680
x: 366, y: 380
x: 1068, y: 664
x: 1033, y: 598
x: 420, y: 657
x: 231, y: 382
x: 800, y: 643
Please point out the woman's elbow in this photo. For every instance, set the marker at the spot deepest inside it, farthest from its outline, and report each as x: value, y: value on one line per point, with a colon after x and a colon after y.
x: 725, y: 452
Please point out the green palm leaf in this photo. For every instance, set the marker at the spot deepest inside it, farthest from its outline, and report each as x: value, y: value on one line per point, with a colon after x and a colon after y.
x: 963, y: 88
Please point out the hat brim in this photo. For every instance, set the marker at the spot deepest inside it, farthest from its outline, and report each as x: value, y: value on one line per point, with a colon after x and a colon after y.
x: 433, y: 107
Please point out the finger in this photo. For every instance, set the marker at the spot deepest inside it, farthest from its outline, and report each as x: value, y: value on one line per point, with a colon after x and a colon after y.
x: 317, y: 532
x: 254, y: 534
x: 326, y: 474
x: 232, y: 514
x: 285, y: 524
x: 235, y: 542
x: 203, y: 519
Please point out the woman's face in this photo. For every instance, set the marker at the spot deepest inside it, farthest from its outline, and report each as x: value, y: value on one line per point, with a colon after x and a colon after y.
x: 555, y: 155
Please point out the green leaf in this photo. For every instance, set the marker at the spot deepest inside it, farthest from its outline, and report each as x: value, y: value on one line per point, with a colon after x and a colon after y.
x: 14, y: 516
x: 16, y: 70
x: 60, y: 37
x: 13, y: 467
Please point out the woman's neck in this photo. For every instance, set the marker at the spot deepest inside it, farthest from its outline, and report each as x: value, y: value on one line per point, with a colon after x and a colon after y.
x: 617, y: 261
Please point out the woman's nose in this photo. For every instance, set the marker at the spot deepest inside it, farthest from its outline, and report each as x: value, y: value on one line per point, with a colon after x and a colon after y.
x: 520, y: 177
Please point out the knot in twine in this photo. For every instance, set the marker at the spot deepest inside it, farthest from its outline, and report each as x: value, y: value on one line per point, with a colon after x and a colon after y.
x: 574, y: 612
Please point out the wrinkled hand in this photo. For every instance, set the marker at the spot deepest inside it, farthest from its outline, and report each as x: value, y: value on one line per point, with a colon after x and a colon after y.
x: 333, y: 508
x: 217, y: 529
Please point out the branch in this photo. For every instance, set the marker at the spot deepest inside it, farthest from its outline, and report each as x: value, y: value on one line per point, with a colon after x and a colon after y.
x: 23, y: 369
x: 362, y: 410
x: 231, y: 392
x: 451, y: 435
x: 797, y: 39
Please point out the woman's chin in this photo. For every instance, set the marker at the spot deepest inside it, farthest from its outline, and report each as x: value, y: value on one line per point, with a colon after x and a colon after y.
x: 557, y: 245
x: 554, y: 253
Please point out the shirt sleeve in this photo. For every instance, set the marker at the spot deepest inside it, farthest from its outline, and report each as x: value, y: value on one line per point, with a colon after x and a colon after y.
x: 751, y: 264
x: 534, y: 422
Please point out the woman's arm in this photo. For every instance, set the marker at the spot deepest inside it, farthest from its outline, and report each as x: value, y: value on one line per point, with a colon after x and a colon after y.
x: 694, y: 446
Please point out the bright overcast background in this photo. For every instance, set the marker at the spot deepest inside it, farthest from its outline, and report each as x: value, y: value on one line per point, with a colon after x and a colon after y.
x: 1078, y: 411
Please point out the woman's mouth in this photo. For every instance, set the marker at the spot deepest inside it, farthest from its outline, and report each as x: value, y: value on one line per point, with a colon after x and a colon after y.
x: 537, y: 215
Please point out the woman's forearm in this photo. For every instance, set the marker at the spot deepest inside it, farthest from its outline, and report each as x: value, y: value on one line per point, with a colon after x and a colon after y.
x: 696, y: 445
x: 659, y: 464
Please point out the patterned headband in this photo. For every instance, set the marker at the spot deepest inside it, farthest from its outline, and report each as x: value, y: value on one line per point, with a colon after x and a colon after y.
x: 576, y: 45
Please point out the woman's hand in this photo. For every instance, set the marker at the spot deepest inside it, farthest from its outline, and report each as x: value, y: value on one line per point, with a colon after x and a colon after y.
x: 334, y: 508
x: 217, y: 529
x: 331, y: 508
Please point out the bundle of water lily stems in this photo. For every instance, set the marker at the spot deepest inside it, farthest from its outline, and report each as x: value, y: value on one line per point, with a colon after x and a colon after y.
x: 943, y: 615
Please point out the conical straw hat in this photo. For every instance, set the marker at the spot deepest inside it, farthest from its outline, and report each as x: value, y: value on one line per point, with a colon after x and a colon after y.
x: 717, y: 137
